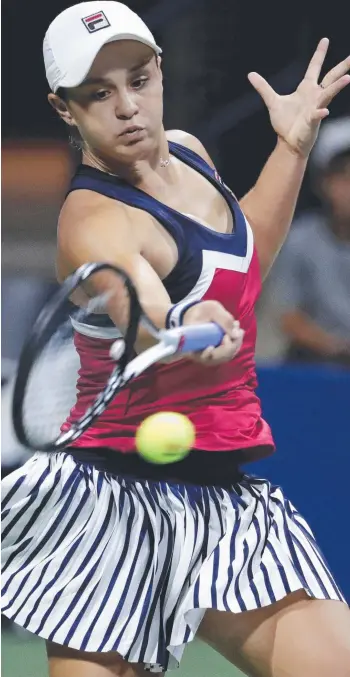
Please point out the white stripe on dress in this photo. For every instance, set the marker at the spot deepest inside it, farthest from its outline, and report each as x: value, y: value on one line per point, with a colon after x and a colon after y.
x: 102, y: 563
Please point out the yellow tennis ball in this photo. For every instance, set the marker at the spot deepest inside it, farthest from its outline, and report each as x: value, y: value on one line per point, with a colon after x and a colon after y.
x: 165, y: 437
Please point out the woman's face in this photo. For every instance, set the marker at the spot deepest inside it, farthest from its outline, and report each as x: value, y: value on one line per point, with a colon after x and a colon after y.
x: 122, y: 90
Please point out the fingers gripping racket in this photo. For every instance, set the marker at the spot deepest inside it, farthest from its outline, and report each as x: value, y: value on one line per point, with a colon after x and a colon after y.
x: 50, y: 377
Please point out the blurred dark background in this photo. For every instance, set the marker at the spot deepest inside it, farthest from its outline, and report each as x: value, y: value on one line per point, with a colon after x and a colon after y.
x: 209, y: 47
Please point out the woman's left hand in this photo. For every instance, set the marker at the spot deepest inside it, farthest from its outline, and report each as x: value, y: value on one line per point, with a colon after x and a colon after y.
x: 296, y: 117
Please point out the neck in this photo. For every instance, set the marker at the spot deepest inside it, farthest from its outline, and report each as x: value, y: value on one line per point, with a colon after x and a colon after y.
x: 136, y: 171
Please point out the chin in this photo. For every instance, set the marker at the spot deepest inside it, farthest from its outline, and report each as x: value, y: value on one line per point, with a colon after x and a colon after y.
x: 134, y: 149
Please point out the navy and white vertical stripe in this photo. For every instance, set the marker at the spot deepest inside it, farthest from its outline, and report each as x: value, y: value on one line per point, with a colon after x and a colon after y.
x: 101, y: 563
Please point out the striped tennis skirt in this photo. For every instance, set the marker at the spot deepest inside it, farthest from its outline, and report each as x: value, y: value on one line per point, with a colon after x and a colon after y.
x: 99, y: 562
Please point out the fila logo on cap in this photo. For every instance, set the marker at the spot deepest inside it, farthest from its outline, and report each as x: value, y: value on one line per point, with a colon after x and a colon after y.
x: 95, y: 22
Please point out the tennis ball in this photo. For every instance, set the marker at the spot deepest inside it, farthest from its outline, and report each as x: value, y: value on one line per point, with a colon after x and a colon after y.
x: 165, y: 437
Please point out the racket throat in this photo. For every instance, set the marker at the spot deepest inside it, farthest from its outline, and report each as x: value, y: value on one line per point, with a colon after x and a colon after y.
x: 147, y: 359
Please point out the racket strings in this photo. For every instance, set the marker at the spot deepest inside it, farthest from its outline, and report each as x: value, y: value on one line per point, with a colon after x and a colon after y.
x: 55, y: 380
x: 51, y: 367
x: 51, y: 390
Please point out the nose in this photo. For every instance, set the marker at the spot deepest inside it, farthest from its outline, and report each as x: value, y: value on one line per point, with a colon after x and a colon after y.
x: 126, y: 106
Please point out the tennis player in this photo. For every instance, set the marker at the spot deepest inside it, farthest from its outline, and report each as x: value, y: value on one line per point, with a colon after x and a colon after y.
x: 117, y: 563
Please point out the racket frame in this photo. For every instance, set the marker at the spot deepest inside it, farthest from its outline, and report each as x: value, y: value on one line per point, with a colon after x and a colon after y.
x: 44, y: 327
x: 179, y: 340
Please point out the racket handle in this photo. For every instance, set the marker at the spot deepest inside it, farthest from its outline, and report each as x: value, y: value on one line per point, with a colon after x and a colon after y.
x: 194, y: 338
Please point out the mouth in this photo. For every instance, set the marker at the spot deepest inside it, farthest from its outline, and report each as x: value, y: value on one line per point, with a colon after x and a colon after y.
x: 132, y: 132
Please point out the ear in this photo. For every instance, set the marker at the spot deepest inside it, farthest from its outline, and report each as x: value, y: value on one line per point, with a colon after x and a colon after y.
x: 62, y: 109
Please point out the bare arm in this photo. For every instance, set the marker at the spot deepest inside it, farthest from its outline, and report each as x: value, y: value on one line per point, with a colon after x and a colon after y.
x: 93, y: 229
x: 269, y: 206
x: 296, y: 119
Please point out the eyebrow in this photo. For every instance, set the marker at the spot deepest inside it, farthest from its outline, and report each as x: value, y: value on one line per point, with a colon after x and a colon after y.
x: 142, y: 63
x: 94, y: 81
x: 104, y: 81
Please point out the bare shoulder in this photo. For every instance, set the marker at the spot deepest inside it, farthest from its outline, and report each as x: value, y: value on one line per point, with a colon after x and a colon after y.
x: 84, y: 214
x: 92, y: 227
x: 191, y: 142
x: 85, y: 211
x: 82, y: 205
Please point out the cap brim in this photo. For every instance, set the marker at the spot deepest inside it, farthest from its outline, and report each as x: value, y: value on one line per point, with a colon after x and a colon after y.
x: 83, y: 62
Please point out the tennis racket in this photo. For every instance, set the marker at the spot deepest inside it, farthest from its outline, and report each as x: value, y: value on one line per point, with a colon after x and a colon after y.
x: 50, y: 373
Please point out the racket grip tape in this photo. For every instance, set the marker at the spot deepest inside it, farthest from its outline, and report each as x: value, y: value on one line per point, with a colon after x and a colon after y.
x: 199, y: 337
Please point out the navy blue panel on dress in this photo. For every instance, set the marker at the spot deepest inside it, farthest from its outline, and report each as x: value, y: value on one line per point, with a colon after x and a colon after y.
x: 191, y: 237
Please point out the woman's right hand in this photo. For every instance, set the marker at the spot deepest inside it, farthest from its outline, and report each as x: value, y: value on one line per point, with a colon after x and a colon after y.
x: 213, y: 311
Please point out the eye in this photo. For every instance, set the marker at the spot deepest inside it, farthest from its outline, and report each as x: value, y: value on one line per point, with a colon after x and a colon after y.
x: 139, y: 82
x: 100, y: 95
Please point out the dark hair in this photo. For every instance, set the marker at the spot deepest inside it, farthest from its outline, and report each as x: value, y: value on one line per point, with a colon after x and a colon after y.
x: 62, y: 92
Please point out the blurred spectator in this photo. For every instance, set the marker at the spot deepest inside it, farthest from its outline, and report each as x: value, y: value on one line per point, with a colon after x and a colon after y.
x: 312, y: 274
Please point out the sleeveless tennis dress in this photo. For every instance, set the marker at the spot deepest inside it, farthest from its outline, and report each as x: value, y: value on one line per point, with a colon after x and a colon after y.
x: 105, y: 552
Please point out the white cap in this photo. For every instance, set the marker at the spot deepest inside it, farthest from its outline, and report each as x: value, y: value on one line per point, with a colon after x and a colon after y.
x: 334, y: 139
x: 75, y: 37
